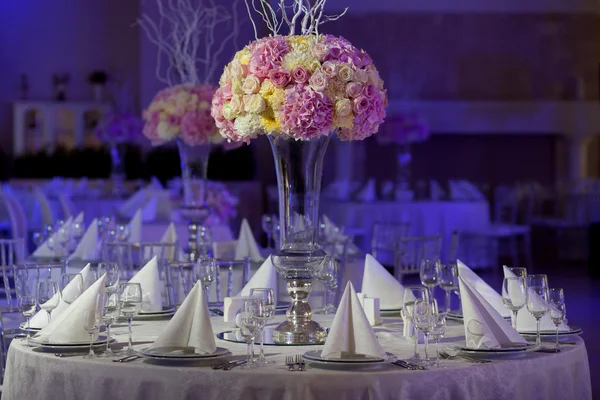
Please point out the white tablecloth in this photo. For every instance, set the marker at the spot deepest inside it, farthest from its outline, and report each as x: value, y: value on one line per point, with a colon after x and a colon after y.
x: 35, y: 375
x: 426, y: 217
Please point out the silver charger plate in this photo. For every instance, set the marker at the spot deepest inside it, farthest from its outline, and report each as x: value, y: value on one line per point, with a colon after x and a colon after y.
x: 180, y: 353
x: 501, y: 350
x: 71, y: 346
x: 166, y: 311
x: 573, y: 330
x: 315, y: 356
x: 456, y: 316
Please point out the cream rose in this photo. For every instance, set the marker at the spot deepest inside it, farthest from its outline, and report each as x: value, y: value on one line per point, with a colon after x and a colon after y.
x: 343, y: 108
x: 353, y: 89
x: 361, y: 75
x: 254, y: 104
x: 228, y: 112
x: 236, y: 86
x: 236, y: 104
x: 318, y: 81
x: 238, y: 70
x: 251, y: 84
x: 345, y: 72
x: 165, y: 131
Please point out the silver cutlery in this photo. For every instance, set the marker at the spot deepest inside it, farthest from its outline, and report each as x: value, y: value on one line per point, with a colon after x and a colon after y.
x: 127, y: 358
x: 445, y: 355
x: 289, y: 361
x: 404, y: 364
x: 548, y: 350
x: 61, y: 355
x: 226, y: 364
x: 233, y: 365
x: 300, y: 363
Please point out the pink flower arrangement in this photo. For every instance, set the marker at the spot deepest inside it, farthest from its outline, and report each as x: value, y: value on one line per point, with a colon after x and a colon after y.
x: 404, y: 129
x: 181, y: 112
x: 300, y: 87
x: 119, y: 128
x: 223, y: 203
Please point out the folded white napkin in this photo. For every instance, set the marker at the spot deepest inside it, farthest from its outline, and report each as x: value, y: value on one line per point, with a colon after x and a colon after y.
x: 132, y: 204
x: 40, y: 319
x: 351, y: 334
x: 232, y: 306
x: 68, y: 327
x: 526, y: 322
x: 246, y: 244
x: 339, y: 190
x: 368, y: 192
x: 155, y: 183
x: 135, y: 227
x: 149, y: 279
x: 88, y: 248
x: 264, y: 277
x: 436, y: 191
x: 169, y: 237
x: 484, y: 326
x: 378, y: 282
x: 190, y: 326
x: 79, y: 218
x: 456, y: 192
x: 490, y: 295
x: 44, y: 251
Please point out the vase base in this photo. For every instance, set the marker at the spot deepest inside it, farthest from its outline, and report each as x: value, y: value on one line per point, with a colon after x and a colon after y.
x: 299, y: 333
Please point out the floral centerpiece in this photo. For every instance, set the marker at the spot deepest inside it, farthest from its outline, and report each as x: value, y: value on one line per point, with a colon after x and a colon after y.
x: 299, y: 90
x: 181, y: 112
x: 222, y: 202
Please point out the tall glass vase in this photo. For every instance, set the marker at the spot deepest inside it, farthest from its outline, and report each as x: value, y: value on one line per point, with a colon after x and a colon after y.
x: 117, y: 170
x: 403, y: 170
x: 299, y: 166
x: 194, y: 208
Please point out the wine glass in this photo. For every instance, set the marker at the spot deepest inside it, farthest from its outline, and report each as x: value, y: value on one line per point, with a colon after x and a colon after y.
x: 90, y: 324
x: 430, y: 273
x: 249, y: 327
x: 268, y: 227
x: 267, y: 297
x: 27, y: 305
x: 425, y: 311
x: 438, y: 329
x: 48, y: 296
x: 537, y: 304
x: 78, y: 230
x: 123, y: 232
x: 111, y: 269
x: 38, y: 238
x: 558, y: 310
x: 108, y: 315
x: 537, y: 280
x: 71, y: 287
x: 448, y: 281
x: 519, y: 272
x: 204, y: 271
x: 514, y: 295
x: 130, y: 303
x: 411, y: 294
x: 328, y: 275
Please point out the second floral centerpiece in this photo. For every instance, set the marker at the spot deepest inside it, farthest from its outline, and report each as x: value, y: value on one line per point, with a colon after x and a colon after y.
x: 299, y: 90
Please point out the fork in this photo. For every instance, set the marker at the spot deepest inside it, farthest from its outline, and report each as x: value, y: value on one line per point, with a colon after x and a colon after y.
x: 448, y: 356
x: 300, y: 363
x: 289, y: 361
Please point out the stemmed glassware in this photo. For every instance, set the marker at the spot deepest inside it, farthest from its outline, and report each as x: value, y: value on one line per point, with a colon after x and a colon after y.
x: 411, y: 294
x: 27, y: 305
x: 204, y: 271
x: 438, y: 330
x: 108, y: 315
x: 111, y: 269
x: 267, y: 297
x: 123, y: 232
x: 268, y: 226
x: 425, y: 312
x: 48, y: 296
x: 328, y: 276
x: 519, y: 271
x: 558, y: 309
x: 430, y: 273
x: 130, y: 303
x: 448, y: 281
x: 249, y: 328
x: 38, y: 238
x: 514, y: 295
x: 537, y: 300
x: 71, y: 287
x: 90, y: 324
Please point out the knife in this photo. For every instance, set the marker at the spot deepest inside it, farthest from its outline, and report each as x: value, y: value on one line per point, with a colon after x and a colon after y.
x: 234, y: 364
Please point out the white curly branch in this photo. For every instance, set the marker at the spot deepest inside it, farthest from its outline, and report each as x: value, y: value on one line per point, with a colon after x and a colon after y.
x: 178, y: 35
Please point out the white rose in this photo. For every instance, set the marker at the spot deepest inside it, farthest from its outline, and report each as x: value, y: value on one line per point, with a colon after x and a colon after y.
x: 236, y: 103
x: 343, y: 107
x: 225, y: 77
x: 318, y: 81
x: 361, y: 75
x: 254, y: 104
x: 251, y: 84
x: 228, y: 112
x: 238, y: 70
x: 236, y: 86
x: 345, y: 73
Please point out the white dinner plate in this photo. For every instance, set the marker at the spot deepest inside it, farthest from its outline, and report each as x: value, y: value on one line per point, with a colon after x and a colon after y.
x: 456, y: 316
x: 315, y: 356
x: 70, y: 346
x: 180, y: 353
x: 573, y: 330
x: 166, y: 311
x: 501, y: 350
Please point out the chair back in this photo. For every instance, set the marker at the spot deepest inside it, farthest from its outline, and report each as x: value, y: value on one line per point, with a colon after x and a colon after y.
x: 12, y: 251
x: 384, y: 237
x: 411, y: 250
x: 19, y: 279
x: 478, y: 251
x: 42, y: 201
x: 17, y: 217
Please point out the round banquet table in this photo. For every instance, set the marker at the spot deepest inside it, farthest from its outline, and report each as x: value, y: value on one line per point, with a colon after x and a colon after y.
x: 31, y: 374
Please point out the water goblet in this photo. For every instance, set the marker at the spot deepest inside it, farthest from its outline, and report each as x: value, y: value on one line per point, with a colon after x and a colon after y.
x: 48, y: 296
x: 90, y: 324
x: 558, y: 310
x: 430, y: 273
x: 425, y: 311
x: 267, y: 296
x: 27, y: 305
x: 112, y: 271
x: 328, y: 275
x: 519, y: 271
x: 448, y: 281
x: 71, y: 287
x: 130, y: 303
x: 438, y: 329
x: 38, y: 238
x: 249, y: 327
x: 411, y: 294
x: 204, y: 271
x: 514, y: 295
x: 537, y: 304
x: 540, y: 280
x: 123, y: 233
x: 109, y: 314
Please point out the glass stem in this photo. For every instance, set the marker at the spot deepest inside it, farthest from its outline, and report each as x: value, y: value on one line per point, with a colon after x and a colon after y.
x: 437, y: 352
x: 447, y: 301
x: 325, y: 298
x: 49, y: 316
x: 331, y: 297
x: 557, y: 346
x: 426, y: 339
x: 130, y: 347
x: 538, y: 340
x: 249, y: 352
x: 91, y: 353
x: 28, y: 332
x: 416, y: 352
x: 262, y: 345
x: 107, y: 338
x: 515, y: 314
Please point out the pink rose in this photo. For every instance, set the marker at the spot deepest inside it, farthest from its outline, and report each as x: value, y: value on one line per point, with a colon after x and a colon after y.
x: 353, y: 89
x: 300, y: 75
x: 361, y: 104
x: 280, y: 78
x: 318, y: 81
x: 369, y: 91
x: 320, y: 50
x: 329, y: 68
